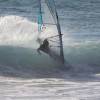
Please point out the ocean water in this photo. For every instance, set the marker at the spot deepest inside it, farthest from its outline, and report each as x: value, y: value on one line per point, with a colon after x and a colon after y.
x: 26, y: 75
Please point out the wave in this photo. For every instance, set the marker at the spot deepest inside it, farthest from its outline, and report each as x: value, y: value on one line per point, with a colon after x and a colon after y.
x: 18, y: 58
x: 15, y: 30
x: 26, y: 62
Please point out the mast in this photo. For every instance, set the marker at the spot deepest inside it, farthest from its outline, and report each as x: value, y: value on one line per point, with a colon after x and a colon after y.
x: 60, y: 36
x: 40, y: 21
x: 61, y: 43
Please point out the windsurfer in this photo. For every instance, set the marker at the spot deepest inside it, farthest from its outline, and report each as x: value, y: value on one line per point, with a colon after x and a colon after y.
x: 44, y: 47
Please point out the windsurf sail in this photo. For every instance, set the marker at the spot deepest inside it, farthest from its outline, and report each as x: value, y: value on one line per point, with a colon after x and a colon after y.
x: 49, y: 27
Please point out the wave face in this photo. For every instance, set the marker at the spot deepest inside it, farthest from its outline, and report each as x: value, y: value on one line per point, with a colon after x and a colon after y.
x: 18, y: 34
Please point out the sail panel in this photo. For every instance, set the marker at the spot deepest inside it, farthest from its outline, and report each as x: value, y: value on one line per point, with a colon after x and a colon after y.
x: 50, y: 28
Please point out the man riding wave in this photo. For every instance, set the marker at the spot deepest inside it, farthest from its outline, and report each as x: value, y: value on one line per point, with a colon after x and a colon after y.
x: 44, y: 47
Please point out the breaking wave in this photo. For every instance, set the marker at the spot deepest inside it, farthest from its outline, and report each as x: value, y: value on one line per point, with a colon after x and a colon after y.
x: 17, y: 31
x: 19, y: 58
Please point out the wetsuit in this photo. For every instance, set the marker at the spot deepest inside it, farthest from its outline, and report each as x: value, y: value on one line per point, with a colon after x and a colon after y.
x: 44, y: 47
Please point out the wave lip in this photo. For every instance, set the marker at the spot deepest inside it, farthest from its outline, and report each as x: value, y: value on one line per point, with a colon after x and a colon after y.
x: 15, y: 30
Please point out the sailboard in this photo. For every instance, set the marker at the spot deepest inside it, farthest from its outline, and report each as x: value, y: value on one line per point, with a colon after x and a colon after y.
x: 49, y: 28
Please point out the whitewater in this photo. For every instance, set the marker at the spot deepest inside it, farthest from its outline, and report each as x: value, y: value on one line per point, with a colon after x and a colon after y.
x: 26, y: 75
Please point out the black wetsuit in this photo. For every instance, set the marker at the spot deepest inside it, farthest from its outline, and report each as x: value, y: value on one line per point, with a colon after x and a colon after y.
x: 44, y: 47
